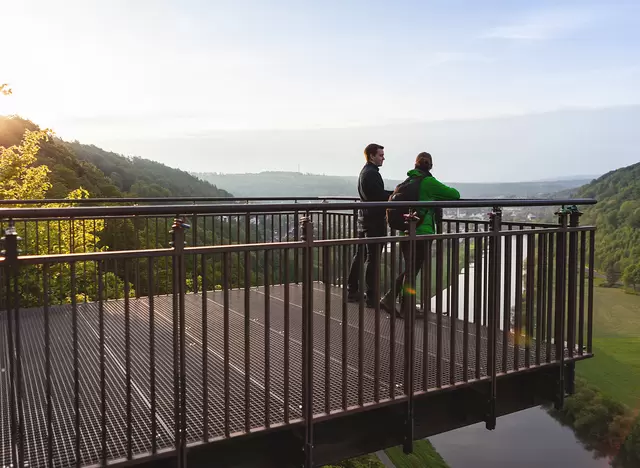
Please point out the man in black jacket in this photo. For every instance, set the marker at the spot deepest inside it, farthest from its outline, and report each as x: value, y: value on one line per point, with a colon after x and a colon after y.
x: 371, y: 223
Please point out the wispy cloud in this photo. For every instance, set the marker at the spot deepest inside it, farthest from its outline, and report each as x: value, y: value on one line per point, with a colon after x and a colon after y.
x: 440, y: 58
x: 544, y: 25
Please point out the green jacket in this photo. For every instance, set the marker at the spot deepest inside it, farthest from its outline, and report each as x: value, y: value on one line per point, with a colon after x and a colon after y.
x: 431, y: 189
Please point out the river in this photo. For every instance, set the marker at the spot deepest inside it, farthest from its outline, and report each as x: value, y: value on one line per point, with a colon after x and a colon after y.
x: 527, y: 439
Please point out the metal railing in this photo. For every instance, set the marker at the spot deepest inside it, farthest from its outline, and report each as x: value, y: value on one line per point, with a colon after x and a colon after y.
x: 133, y: 332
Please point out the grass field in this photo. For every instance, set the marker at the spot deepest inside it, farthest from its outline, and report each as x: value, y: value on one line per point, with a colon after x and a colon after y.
x: 424, y: 455
x: 615, y: 369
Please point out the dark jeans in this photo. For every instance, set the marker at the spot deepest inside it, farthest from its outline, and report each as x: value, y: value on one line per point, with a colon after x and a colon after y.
x: 402, y: 281
x: 372, y: 253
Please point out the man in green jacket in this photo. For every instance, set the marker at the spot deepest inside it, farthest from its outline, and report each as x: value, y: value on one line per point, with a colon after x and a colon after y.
x: 431, y: 189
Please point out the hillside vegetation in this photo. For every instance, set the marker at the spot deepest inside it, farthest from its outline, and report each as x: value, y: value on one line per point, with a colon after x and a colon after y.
x: 617, y: 216
x: 102, y: 173
x: 296, y: 184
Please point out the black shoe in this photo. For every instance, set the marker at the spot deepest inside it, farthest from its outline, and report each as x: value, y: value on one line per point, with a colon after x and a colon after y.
x: 388, y: 304
x: 417, y: 314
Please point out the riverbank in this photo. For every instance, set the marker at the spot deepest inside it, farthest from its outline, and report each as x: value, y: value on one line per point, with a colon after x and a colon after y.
x: 602, y: 424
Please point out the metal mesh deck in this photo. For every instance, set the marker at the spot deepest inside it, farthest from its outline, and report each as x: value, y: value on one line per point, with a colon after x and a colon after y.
x: 266, y: 377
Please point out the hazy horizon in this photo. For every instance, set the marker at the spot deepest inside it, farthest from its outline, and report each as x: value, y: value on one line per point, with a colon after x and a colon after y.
x: 544, y: 146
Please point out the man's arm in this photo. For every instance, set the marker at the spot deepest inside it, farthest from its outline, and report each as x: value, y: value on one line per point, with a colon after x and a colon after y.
x: 440, y: 191
x: 373, y: 187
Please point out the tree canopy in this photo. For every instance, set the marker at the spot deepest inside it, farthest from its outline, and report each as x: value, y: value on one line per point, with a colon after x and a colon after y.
x: 617, y: 217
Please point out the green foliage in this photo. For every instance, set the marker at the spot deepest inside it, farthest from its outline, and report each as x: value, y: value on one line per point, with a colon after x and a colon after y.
x: 366, y: 461
x: 138, y: 177
x: 631, y: 276
x: 19, y: 179
x: 423, y: 455
x: 103, y: 174
x: 617, y: 216
x: 602, y: 424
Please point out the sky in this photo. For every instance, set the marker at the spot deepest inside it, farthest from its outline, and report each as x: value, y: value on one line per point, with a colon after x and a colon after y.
x: 112, y: 72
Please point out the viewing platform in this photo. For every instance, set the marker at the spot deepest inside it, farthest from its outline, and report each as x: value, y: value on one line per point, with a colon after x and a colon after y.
x: 217, y: 332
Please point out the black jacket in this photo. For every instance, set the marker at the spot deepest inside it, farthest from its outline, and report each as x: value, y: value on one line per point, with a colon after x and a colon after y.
x: 371, y: 188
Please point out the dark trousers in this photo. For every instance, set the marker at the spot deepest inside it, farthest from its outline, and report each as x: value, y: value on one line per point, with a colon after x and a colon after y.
x: 403, y: 280
x: 372, y: 253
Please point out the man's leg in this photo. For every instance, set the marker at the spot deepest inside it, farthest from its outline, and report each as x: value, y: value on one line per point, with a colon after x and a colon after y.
x: 373, y: 263
x: 418, y: 261
x: 354, y: 272
x: 388, y: 302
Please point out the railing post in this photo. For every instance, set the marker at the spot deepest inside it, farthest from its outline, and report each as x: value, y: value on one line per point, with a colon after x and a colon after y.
x: 495, y: 241
x: 572, y: 286
x: 306, y: 235
x: 561, y: 252
x: 409, y: 306
x: 11, y: 267
x: 178, y: 242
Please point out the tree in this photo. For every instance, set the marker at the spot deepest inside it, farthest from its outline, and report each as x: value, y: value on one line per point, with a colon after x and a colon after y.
x: 631, y: 276
x: 19, y: 180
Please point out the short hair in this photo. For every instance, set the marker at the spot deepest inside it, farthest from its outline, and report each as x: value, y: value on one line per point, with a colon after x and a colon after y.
x: 424, y: 160
x: 371, y: 150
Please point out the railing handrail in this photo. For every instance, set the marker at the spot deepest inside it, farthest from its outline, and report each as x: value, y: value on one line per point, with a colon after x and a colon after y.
x: 72, y: 212
x: 118, y: 200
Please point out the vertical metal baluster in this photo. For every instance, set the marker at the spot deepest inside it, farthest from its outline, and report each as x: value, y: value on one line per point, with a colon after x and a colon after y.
x: 238, y: 262
x: 477, y: 299
x: 506, y: 318
x: 76, y: 364
x: 409, y: 307
x: 361, y: 331
x: 345, y: 328
x: 267, y: 339
x: 307, y: 341
x: 592, y: 250
x: 571, y: 293
x: 287, y: 383
x: 560, y: 298
x: 47, y: 353
x: 11, y: 272
x: 103, y: 390
x: 447, y: 246
x: 194, y: 243
x: 376, y: 356
x: 392, y: 328
x: 493, y: 306
x: 530, y: 295
x: 543, y: 294
x: 127, y: 348
x: 225, y: 337
x: 205, y: 350
x: 427, y: 268
x: 518, y: 307
x: 538, y: 312
x: 550, y: 276
x: 152, y: 355
x: 485, y: 289
x: 453, y: 312
x: 247, y: 332
x: 465, y: 324
x: 326, y: 278
x: 439, y: 290
x: 581, y: 279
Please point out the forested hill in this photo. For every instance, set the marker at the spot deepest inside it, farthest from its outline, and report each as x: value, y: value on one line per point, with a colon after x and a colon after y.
x: 102, y: 173
x: 295, y: 184
x: 617, y: 217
